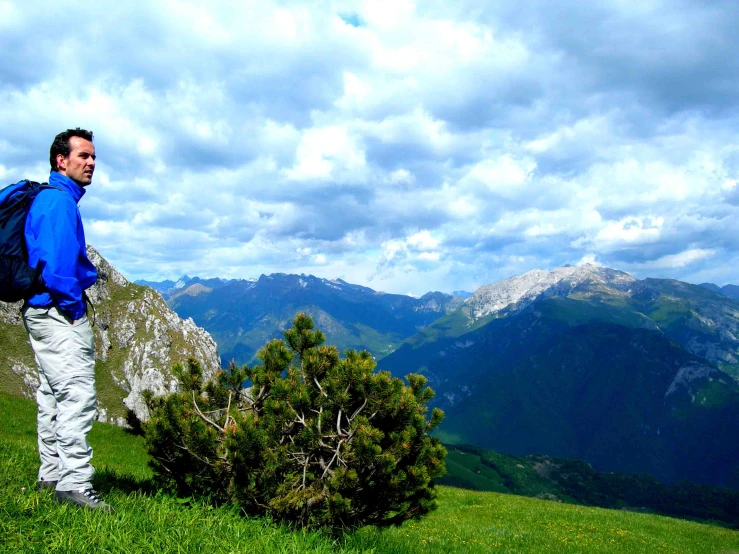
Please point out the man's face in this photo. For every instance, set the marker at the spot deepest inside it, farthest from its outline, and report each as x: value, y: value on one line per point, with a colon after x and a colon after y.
x: 80, y: 164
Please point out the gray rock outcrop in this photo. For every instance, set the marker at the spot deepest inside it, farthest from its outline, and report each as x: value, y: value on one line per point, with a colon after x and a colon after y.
x: 138, y: 339
x: 522, y: 290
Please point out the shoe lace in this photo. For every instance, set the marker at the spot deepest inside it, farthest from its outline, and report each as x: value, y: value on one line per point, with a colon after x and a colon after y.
x: 92, y: 495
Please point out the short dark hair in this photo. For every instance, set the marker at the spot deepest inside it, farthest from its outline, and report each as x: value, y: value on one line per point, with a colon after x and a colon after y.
x: 61, y: 144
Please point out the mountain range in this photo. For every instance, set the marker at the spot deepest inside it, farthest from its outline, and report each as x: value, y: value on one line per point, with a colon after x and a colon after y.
x: 731, y: 291
x: 590, y: 363
x: 242, y: 315
x: 579, y: 362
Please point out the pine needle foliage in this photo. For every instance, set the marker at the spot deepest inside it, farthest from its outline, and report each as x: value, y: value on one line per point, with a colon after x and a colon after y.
x: 318, y: 440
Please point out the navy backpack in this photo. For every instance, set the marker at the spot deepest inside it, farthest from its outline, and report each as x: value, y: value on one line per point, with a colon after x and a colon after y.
x: 18, y: 280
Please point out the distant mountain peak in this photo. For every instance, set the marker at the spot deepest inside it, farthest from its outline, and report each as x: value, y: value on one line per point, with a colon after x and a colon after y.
x: 732, y: 291
x: 524, y: 289
x: 182, y: 282
x: 462, y: 293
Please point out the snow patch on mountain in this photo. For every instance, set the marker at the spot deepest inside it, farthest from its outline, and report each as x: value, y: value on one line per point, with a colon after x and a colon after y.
x: 182, y: 282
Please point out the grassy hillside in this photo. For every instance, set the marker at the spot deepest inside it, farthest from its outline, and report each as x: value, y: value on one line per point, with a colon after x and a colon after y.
x: 149, y: 520
x: 576, y: 482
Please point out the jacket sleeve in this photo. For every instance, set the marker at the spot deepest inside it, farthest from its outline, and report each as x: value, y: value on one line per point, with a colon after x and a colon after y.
x: 52, y: 225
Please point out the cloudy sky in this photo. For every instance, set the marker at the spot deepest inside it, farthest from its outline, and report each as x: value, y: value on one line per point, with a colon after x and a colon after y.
x: 405, y: 146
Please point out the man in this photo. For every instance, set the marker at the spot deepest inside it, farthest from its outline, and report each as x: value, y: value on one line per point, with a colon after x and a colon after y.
x: 57, y: 325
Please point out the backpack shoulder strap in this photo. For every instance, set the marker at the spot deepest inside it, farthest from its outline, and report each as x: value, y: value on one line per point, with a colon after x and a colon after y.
x: 21, y: 198
x: 36, y: 186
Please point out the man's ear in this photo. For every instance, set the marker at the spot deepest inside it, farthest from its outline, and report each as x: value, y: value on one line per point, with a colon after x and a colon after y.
x: 61, y: 162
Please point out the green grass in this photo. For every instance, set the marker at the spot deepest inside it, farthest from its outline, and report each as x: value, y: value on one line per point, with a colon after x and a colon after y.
x: 668, y: 311
x: 713, y: 394
x: 451, y: 325
x: 577, y: 309
x: 469, y: 472
x: 576, y: 482
x: 149, y: 520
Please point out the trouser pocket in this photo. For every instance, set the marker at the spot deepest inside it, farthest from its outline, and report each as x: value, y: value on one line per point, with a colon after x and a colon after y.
x: 37, y: 322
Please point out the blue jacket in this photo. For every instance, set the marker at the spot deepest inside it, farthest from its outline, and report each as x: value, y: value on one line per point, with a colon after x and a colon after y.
x: 56, y: 240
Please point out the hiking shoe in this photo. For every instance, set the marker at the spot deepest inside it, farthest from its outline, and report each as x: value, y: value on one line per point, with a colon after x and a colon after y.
x: 45, y: 485
x: 85, y: 498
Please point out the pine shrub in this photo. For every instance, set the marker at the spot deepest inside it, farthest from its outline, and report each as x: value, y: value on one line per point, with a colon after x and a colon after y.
x: 317, y: 440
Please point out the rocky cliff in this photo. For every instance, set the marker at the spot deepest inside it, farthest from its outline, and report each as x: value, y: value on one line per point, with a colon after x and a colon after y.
x: 138, y: 339
x: 518, y: 292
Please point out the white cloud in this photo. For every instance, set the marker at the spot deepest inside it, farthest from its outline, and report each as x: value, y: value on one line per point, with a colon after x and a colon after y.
x: 591, y: 259
x: 427, y: 146
x: 629, y: 231
x: 402, y: 176
x: 464, y: 207
x: 328, y: 153
x: 572, y: 136
x: 429, y: 256
x: 422, y: 241
x: 679, y: 260
x: 505, y: 175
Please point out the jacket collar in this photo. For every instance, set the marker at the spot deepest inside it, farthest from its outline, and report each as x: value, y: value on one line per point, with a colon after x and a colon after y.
x: 63, y: 182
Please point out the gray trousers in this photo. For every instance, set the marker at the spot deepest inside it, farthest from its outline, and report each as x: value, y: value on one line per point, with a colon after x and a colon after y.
x: 67, y: 402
